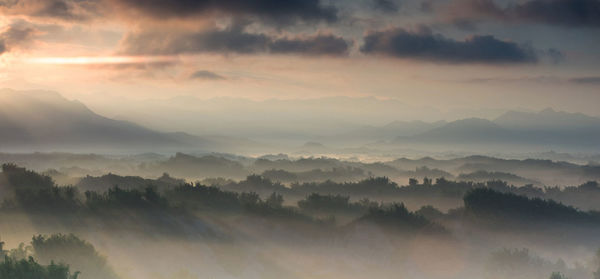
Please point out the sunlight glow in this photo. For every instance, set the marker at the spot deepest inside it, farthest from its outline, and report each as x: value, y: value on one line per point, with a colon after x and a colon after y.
x: 87, y: 60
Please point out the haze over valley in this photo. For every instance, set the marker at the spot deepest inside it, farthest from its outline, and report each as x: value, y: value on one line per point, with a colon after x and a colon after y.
x: 300, y: 139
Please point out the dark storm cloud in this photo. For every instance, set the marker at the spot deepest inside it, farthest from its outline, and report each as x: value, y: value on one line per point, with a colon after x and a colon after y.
x: 387, y: 6
x: 275, y: 10
x: 316, y: 45
x: 230, y: 40
x: 561, y: 12
x: 570, y: 13
x: 208, y: 75
x: 424, y: 45
x: 17, y: 35
x: 426, y: 7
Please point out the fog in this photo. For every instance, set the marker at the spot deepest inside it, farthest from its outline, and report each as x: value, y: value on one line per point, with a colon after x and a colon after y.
x: 87, y: 196
x: 258, y: 139
x: 225, y: 216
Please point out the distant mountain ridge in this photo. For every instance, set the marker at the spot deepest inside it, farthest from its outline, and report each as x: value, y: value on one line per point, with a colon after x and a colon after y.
x: 386, y: 132
x: 44, y: 121
x: 547, y: 128
x: 547, y: 119
x: 41, y: 120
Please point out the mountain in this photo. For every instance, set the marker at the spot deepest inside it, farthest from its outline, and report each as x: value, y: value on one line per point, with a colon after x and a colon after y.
x: 547, y: 119
x: 43, y: 120
x: 367, y: 134
x: 462, y: 131
x: 544, y: 129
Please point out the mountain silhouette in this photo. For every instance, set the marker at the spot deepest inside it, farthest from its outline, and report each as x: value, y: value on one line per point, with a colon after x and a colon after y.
x: 44, y: 120
x: 547, y: 128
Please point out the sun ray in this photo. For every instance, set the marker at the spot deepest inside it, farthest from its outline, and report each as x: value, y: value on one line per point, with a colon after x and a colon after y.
x: 87, y: 60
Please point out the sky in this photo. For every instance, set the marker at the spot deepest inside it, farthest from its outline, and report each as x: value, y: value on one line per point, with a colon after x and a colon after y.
x: 431, y: 55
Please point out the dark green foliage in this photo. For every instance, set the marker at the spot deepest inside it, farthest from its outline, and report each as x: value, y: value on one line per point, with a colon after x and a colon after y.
x: 185, y: 165
x: 123, y: 198
x: 336, y: 174
x: 21, y: 252
x: 275, y: 200
x: 53, y: 199
x: 374, y: 186
x: 318, y: 203
x: 585, y: 196
x: 557, y: 275
x: 397, y: 217
x: 258, y: 184
x: 272, y: 207
x: 80, y: 254
x: 21, y: 178
x: 487, y: 203
x: 413, y: 182
x: 30, y: 269
x: 202, y: 197
x: 103, y: 183
x: 249, y: 199
x: 430, y: 212
x: 36, y: 192
x: 482, y: 175
x: 280, y: 175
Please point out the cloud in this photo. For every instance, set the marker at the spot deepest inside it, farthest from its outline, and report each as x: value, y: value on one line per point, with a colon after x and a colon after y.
x: 586, y: 80
x: 315, y: 45
x: 206, y: 75
x: 568, y: 13
x: 229, y: 40
x: 233, y: 39
x: 18, y: 35
x: 67, y: 10
x: 529, y: 79
x: 273, y: 10
x: 560, y: 12
x: 423, y: 45
x: 386, y: 6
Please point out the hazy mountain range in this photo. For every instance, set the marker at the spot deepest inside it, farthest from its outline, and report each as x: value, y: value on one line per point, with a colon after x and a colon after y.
x: 42, y: 120
x: 546, y: 129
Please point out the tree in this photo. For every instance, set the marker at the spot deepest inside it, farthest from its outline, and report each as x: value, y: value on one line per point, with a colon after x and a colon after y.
x: 427, y: 181
x: 413, y: 182
x: 275, y: 200
x: 30, y: 269
x: 79, y: 253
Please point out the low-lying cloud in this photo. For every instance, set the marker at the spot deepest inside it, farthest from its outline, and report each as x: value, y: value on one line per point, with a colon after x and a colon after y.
x: 424, y: 45
x: 315, y: 45
x: 206, y: 75
x: 17, y: 35
x: 233, y: 39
